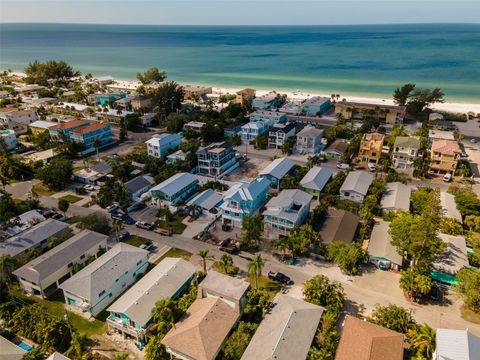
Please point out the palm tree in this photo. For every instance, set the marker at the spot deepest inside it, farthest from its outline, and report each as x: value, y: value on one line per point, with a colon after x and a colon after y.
x: 97, y: 143
x: 422, y: 338
x: 255, y: 268
x: 7, y: 264
x: 117, y: 226
x: 77, y: 344
x: 204, y: 255
x: 226, y: 261
x: 194, y: 211
x: 164, y: 312
x: 463, y: 170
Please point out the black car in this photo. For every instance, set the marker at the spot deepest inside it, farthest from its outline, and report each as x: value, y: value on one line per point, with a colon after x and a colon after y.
x: 123, y: 235
x: 229, y: 247
x: 127, y: 219
x: 280, y: 277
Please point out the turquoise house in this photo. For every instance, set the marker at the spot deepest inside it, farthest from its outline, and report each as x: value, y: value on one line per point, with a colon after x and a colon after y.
x: 179, y: 187
x: 244, y: 199
x: 103, y: 100
x: 87, y: 135
x: 131, y: 314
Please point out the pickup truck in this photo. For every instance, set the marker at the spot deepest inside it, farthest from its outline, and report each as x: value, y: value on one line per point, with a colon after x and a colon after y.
x: 229, y: 247
x: 165, y: 232
x: 280, y: 277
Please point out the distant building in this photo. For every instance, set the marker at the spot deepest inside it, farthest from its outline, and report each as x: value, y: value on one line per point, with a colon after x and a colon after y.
x: 244, y: 199
x: 336, y: 149
x: 253, y: 129
x: 147, y: 119
x: 87, y: 136
x: 340, y: 225
x: 245, y: 95
x: 178, y: 155
x: 18, y: 120
x: 41, y: 126
x: 396, y: 197
x: 315, y: 105
x: 405, y: 151
x: 9, y: 139
x: 269, y: 117
x: 268, y: 101
x: 139, y: 186
x: 179, y: 187
x: 196, y: 126
x: 192, y: 92
x: 380, y: 248
x: 277, y: 169
x: 435, y: 116
x: 315, y: 180
x: 43, y: 275
x: 391, y: 114
x: 159, y: 145
x: 356, y: 185
x: 279, y: 133
x: 456, y: 344
x: 444, y: 156
x: 309, y: 140
x: 371, y: 148
x: 98, y: 284
x: 216, y: 160
x: 288, y: 209
x: 141, y: 102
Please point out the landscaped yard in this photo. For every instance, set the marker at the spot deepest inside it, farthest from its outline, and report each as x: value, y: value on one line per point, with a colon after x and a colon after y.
x: 72, y: 199
x: 42, y: 189
x: 174, y: 252
x: 470, y: 315
x: 73, y: 220
x: 175, y: 224
x: 272, y: 287
x: 137, y: 240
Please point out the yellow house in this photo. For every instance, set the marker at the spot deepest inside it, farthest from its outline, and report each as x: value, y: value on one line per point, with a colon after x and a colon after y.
x: 41, y: 126
x: 391, y: 114
x: 371, y: 148
x: 444, y: 156
x: 245, y: 95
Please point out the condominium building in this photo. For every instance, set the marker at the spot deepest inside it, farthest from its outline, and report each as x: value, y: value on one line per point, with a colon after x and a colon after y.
x: 267, y: 101
x: 88, y: 135
x: 245, y: 95
x: 391, y: 114
x: 371, y: 148
x: 216, y: 160
x: 18, y: 120
x: 65, y: 130
x: 269, y: 117
x: 315, y: 105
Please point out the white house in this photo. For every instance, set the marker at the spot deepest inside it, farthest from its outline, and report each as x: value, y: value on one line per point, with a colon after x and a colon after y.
x: 159, y: 145
x: 356, y: 185
x: 309, y: 140
x: 279, y: 133
x: 253, y: 129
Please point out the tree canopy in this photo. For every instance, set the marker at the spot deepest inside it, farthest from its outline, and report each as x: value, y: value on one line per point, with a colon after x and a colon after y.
x: 151, y: 75
x: 392, y: 317
x: 56, y: 174
x: 56, y: 72
x: 320, y: 291
x: 417, y: 99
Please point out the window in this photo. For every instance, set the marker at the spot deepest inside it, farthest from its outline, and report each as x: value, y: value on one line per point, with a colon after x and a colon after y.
x: 110, y: 295
x: 82, y: 257
x: 70, y: 265
x: 101, y: 293
x: 138, y: 263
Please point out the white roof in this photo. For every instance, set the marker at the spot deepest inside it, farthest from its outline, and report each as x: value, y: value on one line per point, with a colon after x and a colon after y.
x: 282, y: 205
x: 27, y: 220
x: 278, y: 168
x: 42, y: 124
x: 310, y: 131
x: 457, y: 345
x: 57, y: 356
x: 163, y: 281
x: 247, y: 191
x: 157, y: 139
x: 316, y: 100
x: 254, y: 125
x: 316, y: 178
x: 441, y: 134
x: 10, y: 351
x: 396, y: 197
x: 454, y: 257
x: 449, y: 206
x: 267, y: 114
x: 175, y: 183
x: 225, y: 285
x: 358, y: 181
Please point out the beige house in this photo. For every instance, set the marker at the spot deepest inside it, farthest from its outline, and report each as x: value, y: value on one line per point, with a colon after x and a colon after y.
x: 245, y: 95
x: 444, y: 156
x: 371, y: 148
x: 193, y: 92
x: 391, y: 114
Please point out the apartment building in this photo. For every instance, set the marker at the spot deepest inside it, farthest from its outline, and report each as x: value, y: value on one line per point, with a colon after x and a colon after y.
x: 444, y: 156
x: 216, y: 160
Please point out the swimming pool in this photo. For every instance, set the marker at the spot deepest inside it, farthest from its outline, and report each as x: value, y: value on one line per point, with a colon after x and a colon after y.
x: 24, y: 346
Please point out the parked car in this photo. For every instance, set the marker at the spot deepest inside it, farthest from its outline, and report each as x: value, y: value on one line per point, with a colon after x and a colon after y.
x: 463, y: 154
x: 473, y: 140
x: 343, y: 166
x: 123, y: 235
x: 165, y: 232
x: 435, y: 292
x: 144, y: 225
x: 447, y: 177
x: 127, y: 219
x: 88, y: 187
x: 49, y: 214
x: 280, y: 277
x: 147, y: 246
x: 112, y: 208
x: 59, y: 217
x: 229, y: 246
x: 371, y: 166
x: 136, y: 206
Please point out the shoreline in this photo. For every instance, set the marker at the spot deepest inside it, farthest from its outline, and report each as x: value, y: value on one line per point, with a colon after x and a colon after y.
x: 454, y: 107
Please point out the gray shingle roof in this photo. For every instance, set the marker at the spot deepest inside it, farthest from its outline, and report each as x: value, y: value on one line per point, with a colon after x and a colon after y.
x: 449, y: 206
x: 340, y: 225
x: 396, y: 197
x: 102, y: 167
x: 454, y: 257
x: 45, y: 265
x: 457, y: 344
x: 316, y: 178
x: 380, y: 243
x: 225, y: 285
x: 281, y: 205
x: 32, y: 237
x: 287, y: 332
x: 163, y: 281
x: 358, y: 181
x: 138, y: 183
x: 101, y: 273
x: 278, y: 168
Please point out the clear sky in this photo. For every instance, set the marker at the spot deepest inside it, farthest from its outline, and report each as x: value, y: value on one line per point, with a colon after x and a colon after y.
x: 240, y: 12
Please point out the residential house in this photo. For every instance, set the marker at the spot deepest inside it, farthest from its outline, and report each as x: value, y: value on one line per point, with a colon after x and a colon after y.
x: 244, y: 199
x: 444, y: 156
x: 179, y: 187
x: 286, y: 332
x: 178, y: 155
x: 340, y: 225
x: 131, y: 314
x: 456, y: 344
x: 337, y: 149
x: 380, y: 248
x: 159, y: 145
x: 267, y: 101
x: 356, y: 185
x: 147, y: 119
x: 36, y: 237
x: 453, y: 259
x: 245, y: 95
x: 440, y: 135
x: 94, y: 173
x: 269, y: 117
x: 285, y: 211
x: 57, y: 356
x: 193, y: 92
x: 363, y: 340
x: 216, y: 160
x: 315, y: 105
x: 139, y: 186
x: 232, y: 130
x: 139, y: 102
x: 10, y: 351
x: 43, y: 275
x: 202, y: 331
x: 196, y: 126
x: 279, y: 133
x: 371, y: 148
x: 315, y: 180
x: 25, y: 221
x: 253, y: 129
x: 18, y: 120
x: 309, y: 140
x: 449, y: 206
x: 396, y: 197
x: 405, y: 151
x: 277, y: 169
x: 41, y: 126
x: 391, y: 114
x: 98, y: 284
x: 208, y: 200
x: 65, y: 129
x: 9, y: 138
x: 88, y: 135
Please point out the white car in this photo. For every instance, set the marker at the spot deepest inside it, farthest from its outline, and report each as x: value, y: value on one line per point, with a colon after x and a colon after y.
x: 372, y: 166
x: 447, y: 177
x: 343, y: 166
x: 89, y: 187
x: 473, y: 140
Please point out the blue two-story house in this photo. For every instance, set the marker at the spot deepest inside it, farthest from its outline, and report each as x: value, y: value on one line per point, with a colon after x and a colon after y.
x: 244, y: 199
x: 179, y: 187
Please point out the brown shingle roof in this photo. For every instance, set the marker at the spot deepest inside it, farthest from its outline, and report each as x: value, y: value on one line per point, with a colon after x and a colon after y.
x: 362, y: 340
x: 201, y: 331
x: 340, y: 225
x: 89, y: 128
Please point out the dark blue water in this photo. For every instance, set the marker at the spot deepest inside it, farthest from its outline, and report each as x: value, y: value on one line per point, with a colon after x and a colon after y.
x: 358, y: 60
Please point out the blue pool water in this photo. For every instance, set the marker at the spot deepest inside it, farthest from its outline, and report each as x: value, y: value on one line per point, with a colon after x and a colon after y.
x: 24, y: 346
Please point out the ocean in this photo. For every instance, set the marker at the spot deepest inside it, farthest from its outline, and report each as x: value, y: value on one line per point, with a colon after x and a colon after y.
x: 364, y: 60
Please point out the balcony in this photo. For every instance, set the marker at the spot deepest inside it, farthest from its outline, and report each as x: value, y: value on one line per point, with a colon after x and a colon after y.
x: 126, y: 328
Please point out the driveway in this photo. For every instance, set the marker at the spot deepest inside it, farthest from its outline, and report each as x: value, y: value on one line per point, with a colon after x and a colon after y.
x: 20, y: 190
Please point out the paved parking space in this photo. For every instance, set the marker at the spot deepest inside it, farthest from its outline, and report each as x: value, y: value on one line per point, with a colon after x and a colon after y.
x: 146, y: 214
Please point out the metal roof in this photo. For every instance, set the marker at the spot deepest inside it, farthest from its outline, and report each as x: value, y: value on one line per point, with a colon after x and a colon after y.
x: 454, y: 257
x: 10, y: 351
x: 457, y: 344
x: 206, y: 199
x: 316, y: 178
x: 357, y: 181
x: 449, y: 206
x: 247, y: 191
x: 175, y: 183
x: 278, y: 168
x: 380, y: 244
x: 396, y: 197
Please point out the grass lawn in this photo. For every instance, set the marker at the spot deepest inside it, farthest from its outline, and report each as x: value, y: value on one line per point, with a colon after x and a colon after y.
x: 42, y: 189
x: 136, y: 240
x: 54, y: 306
x: 176, y: 224
x: 470, y: 315
x: 174, y: 252
x: 73, y: 220
x: 72, y: 199
x: 272, y: 287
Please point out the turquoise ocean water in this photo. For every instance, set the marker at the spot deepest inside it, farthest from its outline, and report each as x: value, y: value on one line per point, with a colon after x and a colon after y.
x: 350, y: 60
